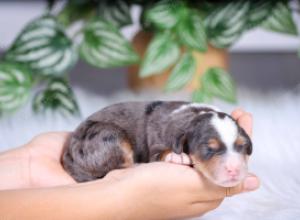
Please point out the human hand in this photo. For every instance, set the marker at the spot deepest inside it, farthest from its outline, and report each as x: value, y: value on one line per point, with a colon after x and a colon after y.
x: 35, y: 164
x: 45, y: 151
x: 167, y: 191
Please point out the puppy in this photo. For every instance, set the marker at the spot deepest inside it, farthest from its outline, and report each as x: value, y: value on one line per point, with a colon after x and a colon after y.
x: 139, y: 132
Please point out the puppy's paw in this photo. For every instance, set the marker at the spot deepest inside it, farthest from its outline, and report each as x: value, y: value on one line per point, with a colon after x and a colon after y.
x: 182, y: 158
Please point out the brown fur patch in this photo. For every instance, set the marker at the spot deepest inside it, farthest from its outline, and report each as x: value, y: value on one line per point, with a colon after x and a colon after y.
x: 214, y: 144
x: 240, y: 140
x: 128, y: 154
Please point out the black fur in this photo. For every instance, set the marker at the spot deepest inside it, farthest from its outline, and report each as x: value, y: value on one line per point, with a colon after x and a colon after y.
x: 150, y: 107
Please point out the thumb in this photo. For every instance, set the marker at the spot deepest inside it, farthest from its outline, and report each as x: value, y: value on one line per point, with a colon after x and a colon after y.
x: 250, y: 183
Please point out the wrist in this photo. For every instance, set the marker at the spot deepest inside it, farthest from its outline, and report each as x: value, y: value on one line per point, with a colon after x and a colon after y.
x: 106, y: 199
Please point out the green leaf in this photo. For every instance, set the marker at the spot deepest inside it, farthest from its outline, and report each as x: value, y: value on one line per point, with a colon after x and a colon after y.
x: 15, y: 85
x: 165, y: 14
x: 258, y: 12
x: 57, y: 96
x: 225, y: 24
x: 200, y: 95
x: 161, y: 53
x: 191, y: 32
x: 116, y: 12
x: 280, y: 19
x: 43, y: 46
x: 182, y: 73
x: 217, y: 82
x: 75, y: 10
x: 103, y: 46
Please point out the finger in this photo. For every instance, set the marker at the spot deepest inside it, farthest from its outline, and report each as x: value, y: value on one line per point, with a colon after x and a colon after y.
x: 185, y: 159
x: 250, y: 183
x: 178, y: 158
x: 173, y: 158
x: 244, y: 119
x: 237, y: 113
x: 246, y: 122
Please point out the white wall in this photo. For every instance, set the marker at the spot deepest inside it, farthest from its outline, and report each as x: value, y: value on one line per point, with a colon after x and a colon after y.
x: 14, y: 15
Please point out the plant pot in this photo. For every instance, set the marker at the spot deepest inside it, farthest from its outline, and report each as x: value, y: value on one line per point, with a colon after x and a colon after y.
x: 213, y: 57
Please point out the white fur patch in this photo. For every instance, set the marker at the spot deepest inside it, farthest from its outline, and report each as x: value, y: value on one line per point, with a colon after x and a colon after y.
x: 227, y: 130
x: 194, y: 105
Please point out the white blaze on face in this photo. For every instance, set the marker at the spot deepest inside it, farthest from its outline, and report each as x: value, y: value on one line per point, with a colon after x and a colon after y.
x: 227, y: 130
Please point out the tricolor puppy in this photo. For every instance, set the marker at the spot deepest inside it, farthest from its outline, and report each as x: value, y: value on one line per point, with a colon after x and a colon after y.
x: 139, y: 132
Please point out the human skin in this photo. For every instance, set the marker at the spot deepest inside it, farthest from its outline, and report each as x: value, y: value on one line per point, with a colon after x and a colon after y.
x: 34, y: 185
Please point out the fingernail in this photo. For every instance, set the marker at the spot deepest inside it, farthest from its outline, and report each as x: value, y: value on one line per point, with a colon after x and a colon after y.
x: 251, y: 183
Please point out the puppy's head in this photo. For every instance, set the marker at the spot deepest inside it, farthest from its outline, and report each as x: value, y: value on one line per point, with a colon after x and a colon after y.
x: 218, y: 148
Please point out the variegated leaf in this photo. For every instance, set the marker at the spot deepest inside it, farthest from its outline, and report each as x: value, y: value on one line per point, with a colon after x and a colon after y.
x: 280, y: 19
x: 15, y: 85
x: 217, y: 82
x: 182, y: 73
x: 43, y: 46
x: 56, y: 96
x: 116, y: 12
x: 200, y: 95
x: 161, y: 53
x: 165, y: 14
x: 191, y: 32
x: 259, y: 10
x: 225, y: 24
x: 103, y: 46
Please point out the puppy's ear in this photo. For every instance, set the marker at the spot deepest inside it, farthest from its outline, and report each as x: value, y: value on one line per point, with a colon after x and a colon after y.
x: 250, y: 148
x: 248, y: 141
x: 181, y: 145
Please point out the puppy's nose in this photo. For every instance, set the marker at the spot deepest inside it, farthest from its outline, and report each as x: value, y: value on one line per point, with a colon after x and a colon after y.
x: 232, y: 171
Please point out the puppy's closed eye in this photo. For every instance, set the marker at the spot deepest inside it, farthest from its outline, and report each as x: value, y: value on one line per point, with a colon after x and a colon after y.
x: 214, y: 144
x: 211, y: 148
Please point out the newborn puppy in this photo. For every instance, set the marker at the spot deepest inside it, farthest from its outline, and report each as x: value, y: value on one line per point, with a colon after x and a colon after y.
x: 139, y: 132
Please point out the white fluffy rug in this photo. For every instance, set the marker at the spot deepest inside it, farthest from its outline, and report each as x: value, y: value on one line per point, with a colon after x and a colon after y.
x: 276, y: 158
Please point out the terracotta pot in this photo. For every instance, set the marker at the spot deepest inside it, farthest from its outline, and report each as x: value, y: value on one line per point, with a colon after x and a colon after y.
x: 213, y: 57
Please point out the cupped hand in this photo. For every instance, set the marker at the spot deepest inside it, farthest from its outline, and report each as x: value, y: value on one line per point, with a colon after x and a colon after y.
x: 44, y: 152
x: 36, y: 164
x: 162, y: 190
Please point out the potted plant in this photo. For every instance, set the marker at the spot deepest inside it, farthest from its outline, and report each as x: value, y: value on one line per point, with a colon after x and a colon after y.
x: 182, y: 45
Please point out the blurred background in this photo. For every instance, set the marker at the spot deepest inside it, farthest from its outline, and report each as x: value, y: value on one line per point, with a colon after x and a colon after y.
x: 260, y: 59
x: 262, y: 64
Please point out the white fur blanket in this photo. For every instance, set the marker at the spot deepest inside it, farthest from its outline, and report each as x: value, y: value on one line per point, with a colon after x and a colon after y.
x: 276, y: 158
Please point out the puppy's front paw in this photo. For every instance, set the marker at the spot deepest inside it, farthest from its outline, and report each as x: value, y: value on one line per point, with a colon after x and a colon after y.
x: 178, y: 158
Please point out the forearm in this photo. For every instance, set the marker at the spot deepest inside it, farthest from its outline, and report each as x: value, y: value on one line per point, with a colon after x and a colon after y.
x: 83, y: 201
